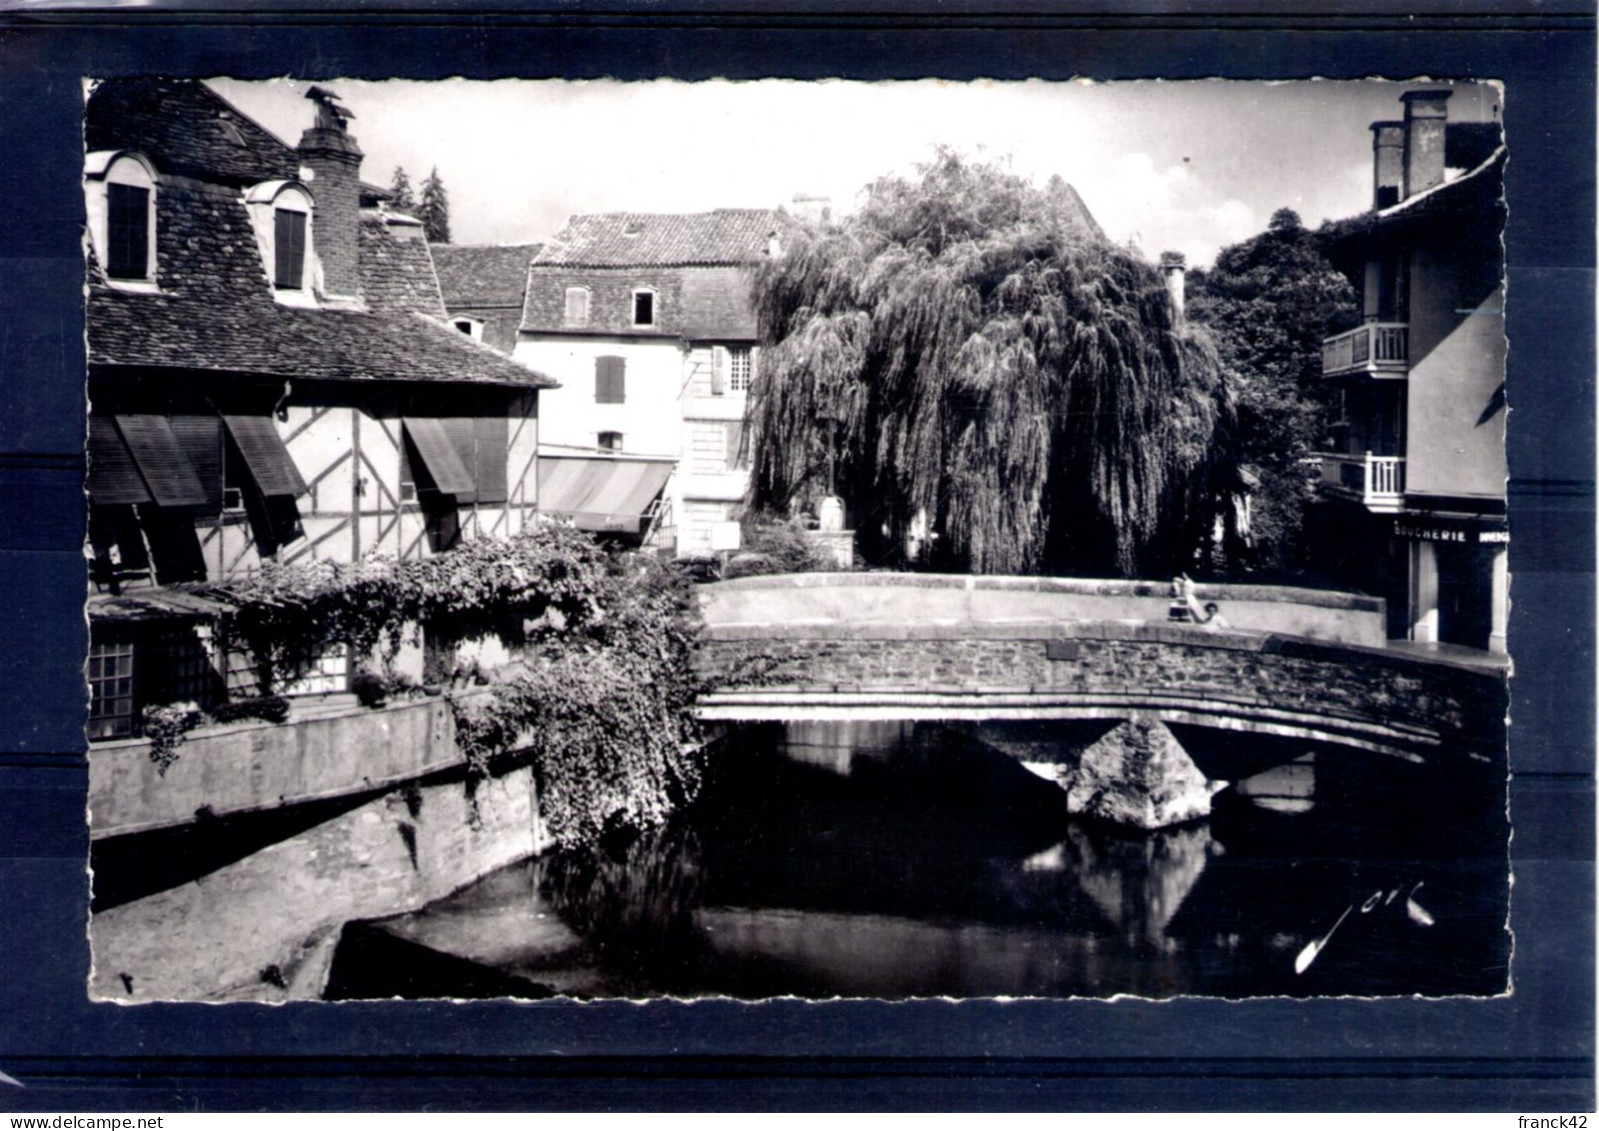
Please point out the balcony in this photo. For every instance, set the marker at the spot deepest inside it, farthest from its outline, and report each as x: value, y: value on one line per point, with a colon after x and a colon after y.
x: 1377, y: 482
x: 1377, y: 349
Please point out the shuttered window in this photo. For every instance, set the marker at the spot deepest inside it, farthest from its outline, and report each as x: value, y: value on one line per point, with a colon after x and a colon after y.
x: 269, y: 461
x: 127, y: 232
x: 577, y: 306
x: 113, y: 476
x: 610, y: 380
x: 288, y: 249
x: 440, y: 458
x: 735, y: 442
x: 166, y: 470
x: 493, y: 442
x: 200, y: 437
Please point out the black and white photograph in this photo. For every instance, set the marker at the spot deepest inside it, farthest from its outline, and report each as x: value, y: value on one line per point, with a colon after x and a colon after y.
x: 778, y: 539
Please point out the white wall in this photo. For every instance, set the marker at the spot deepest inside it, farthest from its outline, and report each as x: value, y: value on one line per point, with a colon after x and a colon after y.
x: 650, y: 419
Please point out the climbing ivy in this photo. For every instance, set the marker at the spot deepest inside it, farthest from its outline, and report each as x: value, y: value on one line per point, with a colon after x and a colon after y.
x: 598, y: 702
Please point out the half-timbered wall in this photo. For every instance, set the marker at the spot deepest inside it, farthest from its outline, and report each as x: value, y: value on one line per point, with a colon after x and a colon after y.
x: 350, y: 458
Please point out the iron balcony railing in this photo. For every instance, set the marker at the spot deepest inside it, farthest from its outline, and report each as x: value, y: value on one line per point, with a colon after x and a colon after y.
x: 1376, y: 481
x: 1381, y: 349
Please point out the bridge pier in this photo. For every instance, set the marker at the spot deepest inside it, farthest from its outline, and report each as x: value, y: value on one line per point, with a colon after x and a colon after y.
x: 1137, y: 774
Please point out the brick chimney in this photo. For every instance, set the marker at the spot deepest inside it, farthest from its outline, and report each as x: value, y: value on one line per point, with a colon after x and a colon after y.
x: 1426, y: 118
x: 330, y: 162
x: 1174, y: 265
x: 1388, y: 163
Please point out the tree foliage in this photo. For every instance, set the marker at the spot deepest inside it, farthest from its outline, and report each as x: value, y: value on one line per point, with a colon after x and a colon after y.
x: 968, y: 346
x: 403, y: 199
x: 434, y: 209
x: 1268, y: 302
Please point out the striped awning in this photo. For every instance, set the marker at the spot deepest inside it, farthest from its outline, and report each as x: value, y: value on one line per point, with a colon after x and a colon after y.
x: 605, y: 494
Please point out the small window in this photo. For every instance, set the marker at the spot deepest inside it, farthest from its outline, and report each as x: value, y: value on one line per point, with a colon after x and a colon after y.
x: 577, y: 306
x: 610, y: 442
x: 643, y: 308
x: 289, y: 249
x: 464, y: 325
x: 471, y: 327
x: 739, y: 368
x: 610, y: 380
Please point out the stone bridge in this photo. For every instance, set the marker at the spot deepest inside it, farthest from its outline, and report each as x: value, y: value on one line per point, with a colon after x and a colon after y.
x: 1291, y: 664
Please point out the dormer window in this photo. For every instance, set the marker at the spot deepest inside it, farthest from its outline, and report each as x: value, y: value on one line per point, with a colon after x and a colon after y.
x: 471, y: 327
x: 288, y: 268
x: 643, y: 307
x: 120, y: 198
x: 281, y: 213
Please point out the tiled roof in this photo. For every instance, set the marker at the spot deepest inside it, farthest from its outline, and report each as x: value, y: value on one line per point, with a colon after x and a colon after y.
x: 187, y: 129
x: 483, y: 276
x: 638, y: 239
x: 396, y: 274
x: 216, y: 311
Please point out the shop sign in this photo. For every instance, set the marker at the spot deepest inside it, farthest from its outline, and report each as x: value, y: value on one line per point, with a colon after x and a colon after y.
x: 1442, y: 530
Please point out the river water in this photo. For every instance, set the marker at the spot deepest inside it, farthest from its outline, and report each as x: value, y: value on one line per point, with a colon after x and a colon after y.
x: 935, y: 860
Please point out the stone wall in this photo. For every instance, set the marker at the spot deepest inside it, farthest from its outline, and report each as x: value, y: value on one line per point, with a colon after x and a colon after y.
x: 265, y: 928
x: 324, y: 750
x: 1115, y: 668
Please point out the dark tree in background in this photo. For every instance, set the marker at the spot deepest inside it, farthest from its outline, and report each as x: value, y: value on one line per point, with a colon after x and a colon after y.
x: 971, y: 348
x: 404, y: 200
x: 1268, y: 302
x: 434, y: 209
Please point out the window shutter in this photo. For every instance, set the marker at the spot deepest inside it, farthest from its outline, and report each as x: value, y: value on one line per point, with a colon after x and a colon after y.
x: 289, y: 246
x: 113, y: 476
x: 161, y: 461
x: 610, y: 380
x: 493, y: 441
x: 462, y: 433
x: 439, y: 456
x: 127, y: 231
x: 718, y: 371
x: 265, y: 455
x: 735, y: 440
x: 577, y: 306
x: 200, y: 437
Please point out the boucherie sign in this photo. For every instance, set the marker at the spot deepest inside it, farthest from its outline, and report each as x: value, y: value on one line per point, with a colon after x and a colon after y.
x: 1465, y: 531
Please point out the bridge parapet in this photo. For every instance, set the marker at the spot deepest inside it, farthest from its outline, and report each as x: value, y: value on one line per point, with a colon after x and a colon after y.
x: 818, y: 599
x: 1264, y: 682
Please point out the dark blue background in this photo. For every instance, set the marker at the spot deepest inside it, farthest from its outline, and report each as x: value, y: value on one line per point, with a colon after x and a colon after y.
x: 1532, y: 1051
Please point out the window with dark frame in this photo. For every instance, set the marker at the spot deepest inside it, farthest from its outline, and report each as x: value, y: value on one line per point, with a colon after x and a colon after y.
x: 127, y: 232
x: 610, y: 380
x: 610, y: 441
x: 288, y: 250
x: 643, y: 308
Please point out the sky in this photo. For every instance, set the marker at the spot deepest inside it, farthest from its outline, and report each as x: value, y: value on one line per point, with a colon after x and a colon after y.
x: 1164, y: 166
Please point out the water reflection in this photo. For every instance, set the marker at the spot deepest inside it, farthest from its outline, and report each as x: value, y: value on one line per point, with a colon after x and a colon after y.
x: 897, y: 859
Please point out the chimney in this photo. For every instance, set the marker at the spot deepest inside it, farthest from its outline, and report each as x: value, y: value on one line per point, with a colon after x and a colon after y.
x: 1174, y: 265
x: 1388, y: 163
x: 1425, y: 120
x: 330, y: 162
x: 812, y: 209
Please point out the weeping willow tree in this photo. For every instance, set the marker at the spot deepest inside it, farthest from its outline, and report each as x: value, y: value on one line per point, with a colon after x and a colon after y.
x: 970, y: 348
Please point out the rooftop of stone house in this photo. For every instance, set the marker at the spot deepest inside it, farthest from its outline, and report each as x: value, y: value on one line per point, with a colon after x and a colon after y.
x: 725, y: 237
x: 483, y: 275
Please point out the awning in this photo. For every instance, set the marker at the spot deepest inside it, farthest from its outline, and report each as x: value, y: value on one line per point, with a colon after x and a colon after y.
x: 601, y: 493
x: 268, y: 460
x: 113, y: 476
x: 161, y: 461
x: 443, y: 461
